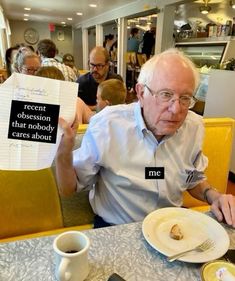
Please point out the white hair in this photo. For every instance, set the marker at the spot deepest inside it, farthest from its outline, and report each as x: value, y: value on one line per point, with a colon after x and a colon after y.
x: 147, y: 70
x: 21, y: 56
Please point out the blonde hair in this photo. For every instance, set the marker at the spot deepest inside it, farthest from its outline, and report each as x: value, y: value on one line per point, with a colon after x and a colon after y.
x: 50, y: 72
x: 113, y: 90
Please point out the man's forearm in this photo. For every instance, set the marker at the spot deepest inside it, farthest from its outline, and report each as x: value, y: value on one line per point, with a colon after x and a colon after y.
x: 204, y: 192
x: 65, y: 174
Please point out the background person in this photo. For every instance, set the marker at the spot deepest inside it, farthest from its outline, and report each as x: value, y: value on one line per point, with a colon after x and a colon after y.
x: 26, y: 61
x: 68, y: 60
x: 9, y: 59
x: 108, y: 42
x: 158, y: 131
x: 46, y: 50
x: 149, y: 42
x: 110, y: 92
x: 57, y: 56
x: 99, y: 72
x: 83, y: 111
x: 133, y: 41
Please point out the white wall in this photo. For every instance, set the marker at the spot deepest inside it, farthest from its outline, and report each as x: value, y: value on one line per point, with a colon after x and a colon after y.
x: 66, y: 45
x: 18, y: 28
x: 91, y: 38
x: 77, y: 48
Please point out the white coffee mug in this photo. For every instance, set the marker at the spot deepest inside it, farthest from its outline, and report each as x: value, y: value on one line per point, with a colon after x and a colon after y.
x: 71, y: 251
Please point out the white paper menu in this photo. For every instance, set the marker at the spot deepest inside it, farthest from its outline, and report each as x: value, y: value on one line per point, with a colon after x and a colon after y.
x: 29, y: 110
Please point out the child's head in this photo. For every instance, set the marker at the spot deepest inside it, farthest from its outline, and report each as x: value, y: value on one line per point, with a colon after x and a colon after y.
x: 50, y: 72
x: 110, y: 92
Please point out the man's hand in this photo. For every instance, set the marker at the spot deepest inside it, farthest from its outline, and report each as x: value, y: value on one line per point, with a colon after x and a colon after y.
x: 68, y: 138
x: 223, y: 207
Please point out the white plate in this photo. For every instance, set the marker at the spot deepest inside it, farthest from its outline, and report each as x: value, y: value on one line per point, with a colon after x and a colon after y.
x: 195, y: 226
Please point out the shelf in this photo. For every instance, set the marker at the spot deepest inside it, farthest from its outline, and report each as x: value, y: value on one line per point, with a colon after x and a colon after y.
x: 204, y: 40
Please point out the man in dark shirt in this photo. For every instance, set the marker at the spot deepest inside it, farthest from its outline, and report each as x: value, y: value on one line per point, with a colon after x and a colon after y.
x: 99, y: 72
x: 149, y: 42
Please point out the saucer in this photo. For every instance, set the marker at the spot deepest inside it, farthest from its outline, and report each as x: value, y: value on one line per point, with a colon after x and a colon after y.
x: 208, y: 270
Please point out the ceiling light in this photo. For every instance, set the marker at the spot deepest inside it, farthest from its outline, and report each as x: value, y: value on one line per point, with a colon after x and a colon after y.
x: 63, y: 22
x: 26, y: 19
x: 93, y: 5
x: 79, y: 14
x: 204, y: 9
x: 69, y: 19
x: 133, y: 20
x: 27, y: 9
x: 232, y: 4
x: 26, y: 15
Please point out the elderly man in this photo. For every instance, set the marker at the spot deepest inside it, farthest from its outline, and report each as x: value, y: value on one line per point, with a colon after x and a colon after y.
x: 122, y: 141
x: 99, y: 72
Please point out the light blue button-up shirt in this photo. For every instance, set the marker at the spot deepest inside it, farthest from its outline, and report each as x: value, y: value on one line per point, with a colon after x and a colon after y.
x: 114, y: 153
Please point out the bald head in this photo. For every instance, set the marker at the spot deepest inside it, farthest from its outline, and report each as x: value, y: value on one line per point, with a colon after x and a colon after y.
x: 100, y: 52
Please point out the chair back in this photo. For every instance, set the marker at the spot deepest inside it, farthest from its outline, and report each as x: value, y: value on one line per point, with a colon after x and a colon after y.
x: 83, y: 71
x: 141, y: 58
x: 76, y: 208
x: 131, y: 58
x: 29, y: 202
x: 217, y: 146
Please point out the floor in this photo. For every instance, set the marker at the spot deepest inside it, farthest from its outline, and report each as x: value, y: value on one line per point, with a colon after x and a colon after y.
x: 231, y: 187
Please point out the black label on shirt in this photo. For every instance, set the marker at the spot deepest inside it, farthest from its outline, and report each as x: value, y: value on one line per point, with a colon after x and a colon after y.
x: 154, y: 173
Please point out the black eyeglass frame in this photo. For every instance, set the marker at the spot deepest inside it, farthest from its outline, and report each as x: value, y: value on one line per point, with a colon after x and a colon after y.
x: 99, y: 66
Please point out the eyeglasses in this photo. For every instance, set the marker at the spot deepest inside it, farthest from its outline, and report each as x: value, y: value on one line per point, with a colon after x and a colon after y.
x: 166, y: 96
x: 30, y: 70
x: 98, y: 66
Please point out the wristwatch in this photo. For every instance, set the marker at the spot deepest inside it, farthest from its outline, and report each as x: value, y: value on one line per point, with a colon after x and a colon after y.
x: 31, y: 36
x: 205, y: 193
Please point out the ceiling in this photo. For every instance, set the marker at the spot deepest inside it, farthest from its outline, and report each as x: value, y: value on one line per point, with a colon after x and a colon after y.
x: 221, y: 11
x: 57, y: 11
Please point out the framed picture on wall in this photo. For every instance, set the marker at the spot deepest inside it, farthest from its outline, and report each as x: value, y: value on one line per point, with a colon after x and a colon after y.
x: 60, y: 35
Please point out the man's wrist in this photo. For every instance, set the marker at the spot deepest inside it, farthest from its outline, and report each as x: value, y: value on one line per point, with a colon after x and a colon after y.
x: 206, y: 194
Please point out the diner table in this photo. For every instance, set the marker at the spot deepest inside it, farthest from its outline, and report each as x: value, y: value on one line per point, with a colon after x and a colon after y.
x: 121, y: 249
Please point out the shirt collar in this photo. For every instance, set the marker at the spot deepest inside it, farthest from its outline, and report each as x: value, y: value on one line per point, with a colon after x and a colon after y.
x: 48, y: 59
x: 139, y: 118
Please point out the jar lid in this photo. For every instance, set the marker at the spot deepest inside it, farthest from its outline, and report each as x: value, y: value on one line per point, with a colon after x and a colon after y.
x: 208, y: 270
